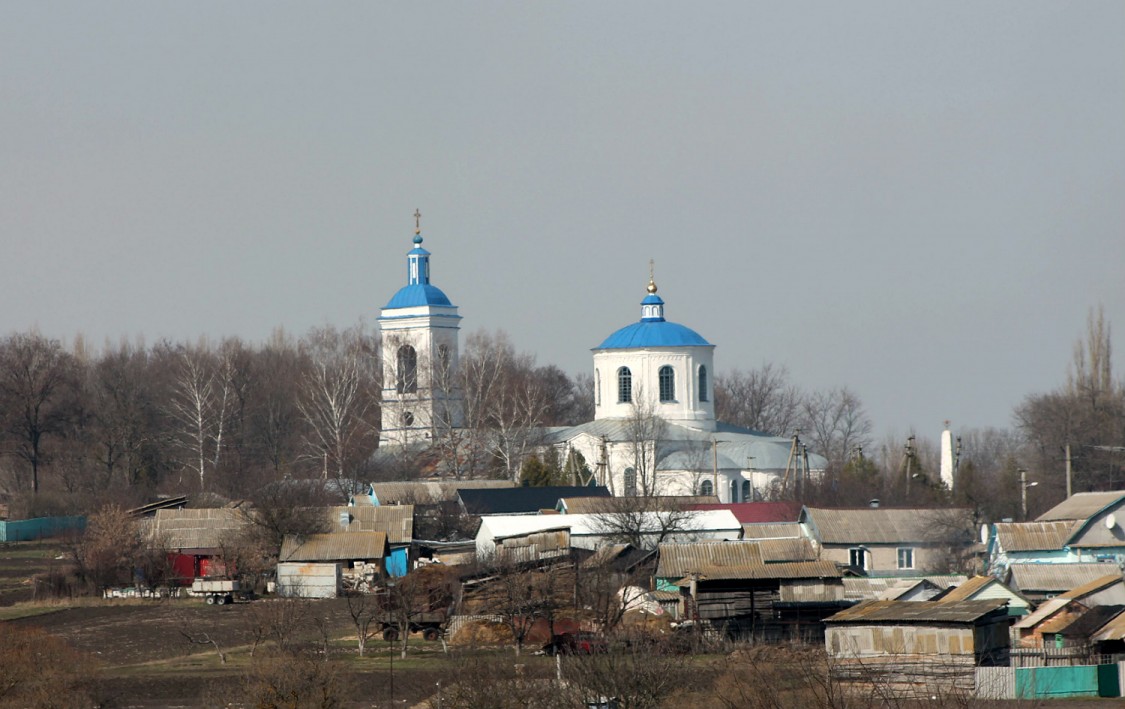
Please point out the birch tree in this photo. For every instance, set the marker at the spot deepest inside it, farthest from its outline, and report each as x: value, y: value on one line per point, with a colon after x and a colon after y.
x: 338, y: 402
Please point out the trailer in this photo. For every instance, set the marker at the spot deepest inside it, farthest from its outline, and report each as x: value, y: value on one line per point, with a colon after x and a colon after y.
x: 430, y: 625
x: 216, y: 591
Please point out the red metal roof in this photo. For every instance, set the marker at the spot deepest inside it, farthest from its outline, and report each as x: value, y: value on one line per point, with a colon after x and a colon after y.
x: 757, y: 512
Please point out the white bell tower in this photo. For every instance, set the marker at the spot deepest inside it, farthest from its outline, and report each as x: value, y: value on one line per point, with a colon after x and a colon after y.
x: 419, y: 348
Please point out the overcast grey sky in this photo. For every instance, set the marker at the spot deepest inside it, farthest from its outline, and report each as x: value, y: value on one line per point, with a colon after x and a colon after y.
x: 919, y: 201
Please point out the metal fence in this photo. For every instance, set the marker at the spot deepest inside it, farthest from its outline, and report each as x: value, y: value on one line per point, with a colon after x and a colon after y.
x: 1060, y: 657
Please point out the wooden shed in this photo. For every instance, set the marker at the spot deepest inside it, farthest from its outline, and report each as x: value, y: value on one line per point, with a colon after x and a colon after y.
x: 926, y: 648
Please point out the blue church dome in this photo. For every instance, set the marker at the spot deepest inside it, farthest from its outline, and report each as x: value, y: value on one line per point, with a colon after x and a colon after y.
x: 417, y: 294
x: 653, y: 330
x: 653, y: 333
x: 418, y: 289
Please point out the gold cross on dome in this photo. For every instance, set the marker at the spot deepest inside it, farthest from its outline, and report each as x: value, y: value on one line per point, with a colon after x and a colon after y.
x: 417, y: 221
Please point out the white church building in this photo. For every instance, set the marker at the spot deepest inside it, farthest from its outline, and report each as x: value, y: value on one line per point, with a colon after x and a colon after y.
x: 654, y: 430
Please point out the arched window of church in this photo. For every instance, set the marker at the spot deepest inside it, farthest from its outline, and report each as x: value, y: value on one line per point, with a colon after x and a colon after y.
x: 597, y: 388
x: 630, y: 482
x: 667, y: 377
x: 407, y: 370
x: 443, y: 359
x: 624, y: 386
x: 702, y: 383
x: 747, y: 491
x: 706, y: 488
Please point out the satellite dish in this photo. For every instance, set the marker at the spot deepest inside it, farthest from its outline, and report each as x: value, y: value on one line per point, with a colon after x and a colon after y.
x: 1110, y: 521
x: 984, y: 534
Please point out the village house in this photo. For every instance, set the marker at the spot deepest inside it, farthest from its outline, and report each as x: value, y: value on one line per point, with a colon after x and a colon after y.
x: 1039, y: 582
x: 1085, y: 528
x: 321, y: 565
x: 196, y: 540
x: 396, y: 521
x: 881, y: 541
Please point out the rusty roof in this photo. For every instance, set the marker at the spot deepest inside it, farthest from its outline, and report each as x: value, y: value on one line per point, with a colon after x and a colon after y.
x: 1034, y: 536
x: 734, y: 560
x: 207, y: 528
x: 1053, y: 578
x: 884, y: 525
x: 396, y: 520
x: 1081, y: 506
x: 916, y: 612
x: 340, y: 546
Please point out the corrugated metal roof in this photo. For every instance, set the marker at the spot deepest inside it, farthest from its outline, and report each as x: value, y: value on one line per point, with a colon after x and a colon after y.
x: 1053, y: 578
x: 882, y: 525
x: 734, y: 560
x: 759, y: 512
x: 771, y: 531
x: 1045, y: 610
x: 1091, y: 621
x: 522, y: 500
x: 1112, y: 630
x: 341, y: 546
x: 429, y: 493
x: 396, y: 520
x: 496, y: 526
x: 607, y: 504
x: 787, y: 550
x: 868, y: 588
x: 916, y: 612
x: 1081, y: 506
x: 207, y: 528
x: 967, y: 590
x: 1090, y: 587
x: 1034, y: 536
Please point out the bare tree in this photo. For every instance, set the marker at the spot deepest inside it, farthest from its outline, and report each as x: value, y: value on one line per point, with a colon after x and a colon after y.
x: 37, y: 383
x: 761, y: 399
x: 836, y: 424
x: 645, y: 521
x: 199, y: 404
x: 338, y: 402
x: 520, y: 595
x: 645, y: 430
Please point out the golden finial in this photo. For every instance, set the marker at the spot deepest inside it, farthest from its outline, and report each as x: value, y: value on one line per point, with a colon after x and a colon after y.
x: 417, y: 221
x: 651, y: 278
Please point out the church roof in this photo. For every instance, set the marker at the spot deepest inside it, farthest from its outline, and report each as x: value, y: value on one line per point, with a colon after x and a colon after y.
x: 653, y: 330
x: 653, y: 333
x: 686, y: 448
x: 416, y: 294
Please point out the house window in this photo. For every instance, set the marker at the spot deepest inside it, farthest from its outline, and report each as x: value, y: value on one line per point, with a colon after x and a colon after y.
x: 667, y: 377
x: 407, y: 370
x: 702, y: 383
x: 597, y: 388
x: 706, y: 488
x: 630, y: 482
x: 624, y: 386
x: 857, y: 558
x: 906, y: 558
